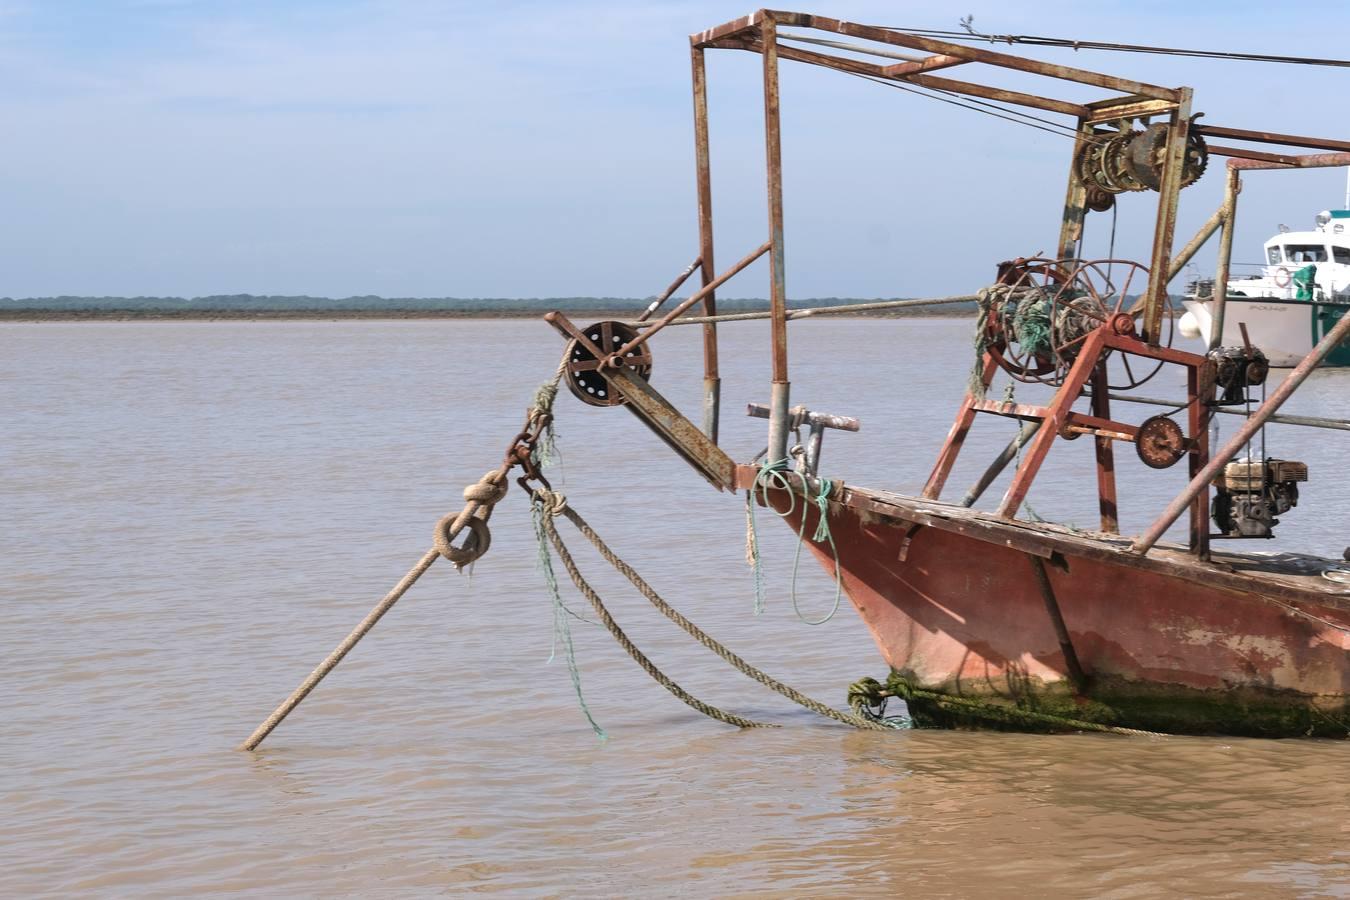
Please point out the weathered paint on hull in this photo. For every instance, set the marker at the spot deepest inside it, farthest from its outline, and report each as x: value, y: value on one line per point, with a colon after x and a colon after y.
x: 966, y: 618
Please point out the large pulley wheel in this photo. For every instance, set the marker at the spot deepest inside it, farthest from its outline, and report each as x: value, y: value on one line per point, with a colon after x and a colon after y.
x: 1112, y: 286
x: 584, y: 374
x: 1160, y: 443
x: 1041, y: 312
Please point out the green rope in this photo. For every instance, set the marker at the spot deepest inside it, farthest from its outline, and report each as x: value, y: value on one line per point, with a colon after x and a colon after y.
x: 774, y: 476
x: 822, y: 533
x: 562, y: 629
x: 1031, y: 324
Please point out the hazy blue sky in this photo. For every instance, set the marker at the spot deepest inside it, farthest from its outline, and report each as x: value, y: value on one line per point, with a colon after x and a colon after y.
x: 409, y: 147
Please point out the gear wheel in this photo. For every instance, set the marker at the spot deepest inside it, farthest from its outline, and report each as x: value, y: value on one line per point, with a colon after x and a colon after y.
x: 1144, y: 158
x: 1130, y: 160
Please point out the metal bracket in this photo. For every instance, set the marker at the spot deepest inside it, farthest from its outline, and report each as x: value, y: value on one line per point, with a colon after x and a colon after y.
x: 809, y: 459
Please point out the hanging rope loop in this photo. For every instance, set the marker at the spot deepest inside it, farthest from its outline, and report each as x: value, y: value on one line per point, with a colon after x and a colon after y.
x: 474, y: 546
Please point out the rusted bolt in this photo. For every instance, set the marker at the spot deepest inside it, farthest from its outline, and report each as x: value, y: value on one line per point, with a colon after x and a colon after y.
x: 1123, y: 324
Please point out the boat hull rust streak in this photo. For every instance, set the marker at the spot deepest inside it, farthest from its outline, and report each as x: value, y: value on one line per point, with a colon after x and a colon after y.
x: 964, y: 617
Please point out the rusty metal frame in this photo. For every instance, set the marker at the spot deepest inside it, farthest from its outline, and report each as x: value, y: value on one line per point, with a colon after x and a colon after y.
x: 759, y: 33
x: 1060, y: 420
x: 712, y: 381
x: 1129, y: 101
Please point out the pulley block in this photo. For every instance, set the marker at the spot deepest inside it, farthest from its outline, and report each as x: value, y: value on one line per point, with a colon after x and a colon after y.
x: 583, y: 374
x: 1160, y: 443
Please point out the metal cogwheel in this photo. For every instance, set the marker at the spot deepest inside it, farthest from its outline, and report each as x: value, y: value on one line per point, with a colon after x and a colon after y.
x: 1160, y: 443
x: 1144, y: 156
x: 1101, y: 167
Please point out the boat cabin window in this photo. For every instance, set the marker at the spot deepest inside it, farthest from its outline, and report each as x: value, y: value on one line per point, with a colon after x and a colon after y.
x: 1341, y: 255
x: 1273, y: 255
x: 1306, y: 253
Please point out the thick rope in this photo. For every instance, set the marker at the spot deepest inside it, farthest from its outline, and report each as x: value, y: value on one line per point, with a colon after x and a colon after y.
x: 720, y: 650
x: 546, y: 452
x: 312, y: 680
x: 479, y: 500
x: 553, y: 502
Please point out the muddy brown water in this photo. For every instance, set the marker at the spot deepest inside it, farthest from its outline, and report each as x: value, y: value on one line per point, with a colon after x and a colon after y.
x: 195, y: 513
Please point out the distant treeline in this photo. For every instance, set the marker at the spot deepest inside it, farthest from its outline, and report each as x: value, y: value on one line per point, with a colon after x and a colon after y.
x: 245, y: 304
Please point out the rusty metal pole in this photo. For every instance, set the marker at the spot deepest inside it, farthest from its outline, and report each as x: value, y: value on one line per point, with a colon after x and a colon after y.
x: 712, y: 382
x: 1025, y: 432
x: 1075, y: 200
x: 1165, y: 226
x: 1106, y: 454
x: 1192, y: 247
x: 1184, y: 255
x: 1232, y: 188
x: 1200, y: 386
x: 773, y: 153
x: 1205, y: 477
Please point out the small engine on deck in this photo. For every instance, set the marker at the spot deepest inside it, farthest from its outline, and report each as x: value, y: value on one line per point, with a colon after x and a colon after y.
x: 1251, y: 493
x: 1236, y: 369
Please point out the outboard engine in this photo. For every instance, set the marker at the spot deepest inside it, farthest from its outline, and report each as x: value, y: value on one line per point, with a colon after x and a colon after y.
x: 1251, y: 493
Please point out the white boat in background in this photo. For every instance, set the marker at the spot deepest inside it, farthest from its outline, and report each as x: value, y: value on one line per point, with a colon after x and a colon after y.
x: 1302, y: 290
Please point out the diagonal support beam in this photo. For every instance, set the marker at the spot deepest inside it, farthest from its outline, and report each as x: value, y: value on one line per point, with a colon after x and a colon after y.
x: 682, y: 435
x: 937, y: 61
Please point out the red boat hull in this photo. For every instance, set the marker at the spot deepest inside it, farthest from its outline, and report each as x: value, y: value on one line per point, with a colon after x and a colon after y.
x: 966, y: 617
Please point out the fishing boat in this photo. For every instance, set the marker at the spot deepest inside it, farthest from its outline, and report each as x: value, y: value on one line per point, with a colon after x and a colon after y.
x: 993, y: 617
x: 989, y: 617
x: 1298, y: 295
